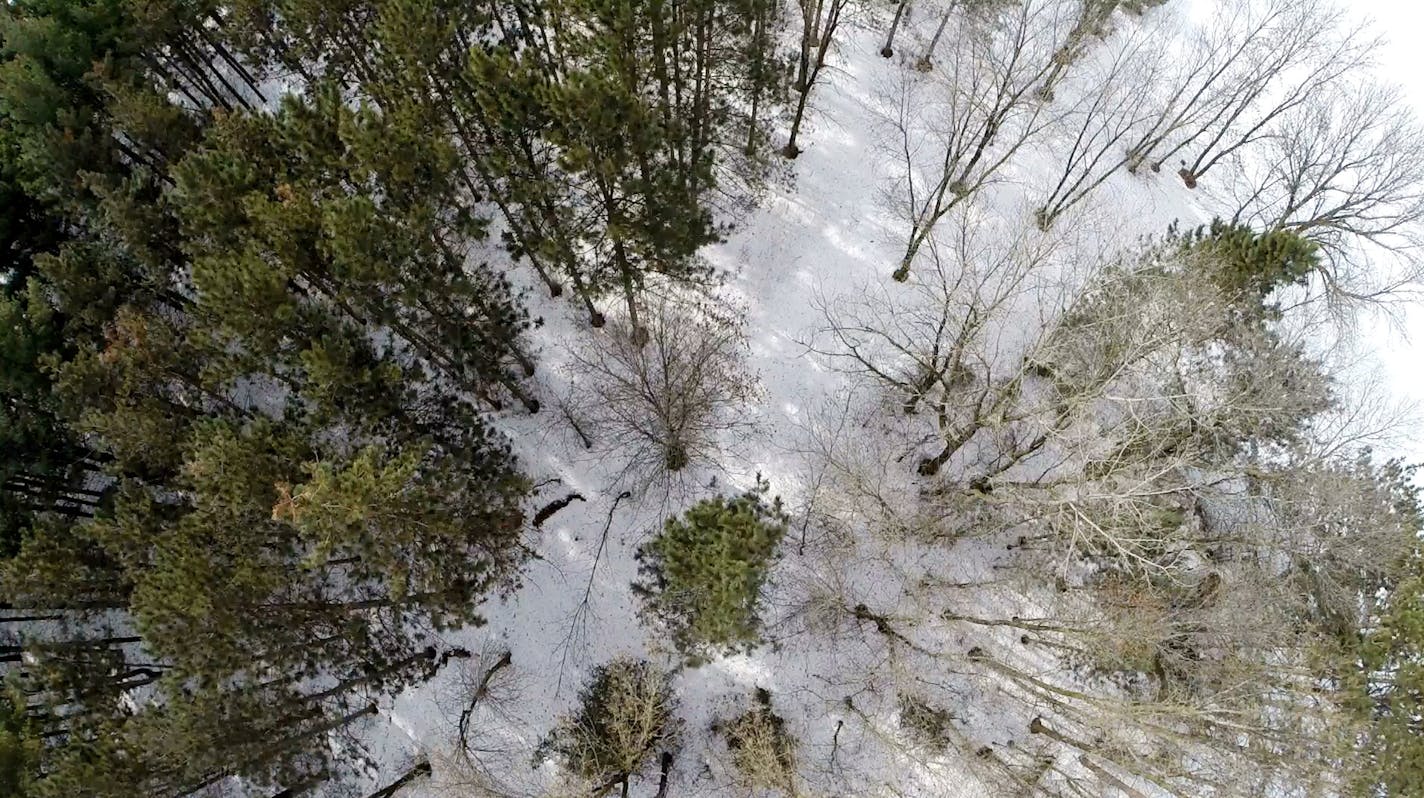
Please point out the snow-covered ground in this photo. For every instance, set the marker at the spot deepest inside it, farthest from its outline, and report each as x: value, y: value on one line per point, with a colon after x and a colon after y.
x: 826, y: 232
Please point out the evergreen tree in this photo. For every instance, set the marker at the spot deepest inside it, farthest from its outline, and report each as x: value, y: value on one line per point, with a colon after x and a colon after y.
x: 317, y: 357
x: 644, y: 112
x: 519, y: 169
x: 1384, y: 667
x: 1393, y: 749
x: 601, y: 132
x: 267, y: 736
x: 349, y: 209
x: 20, y: 745
x: 48, y: 469
x: 1248, y: 266
x: 703, y: 573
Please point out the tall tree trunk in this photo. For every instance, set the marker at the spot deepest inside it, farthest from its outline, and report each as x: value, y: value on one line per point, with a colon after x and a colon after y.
x: 202, y: 60
x: 102, y: 642
x: 595, y: 319
x: 817, y: 37
x: 29, y: 618
x: 665, y: 768
x: 302, y: 787
x: 926, y: 62
x: 791, y: 150
x: 228, y: 58
x: 270, y: 751
x: 640, y: 335
x: 889, y: 48
x: 422, y: 769
x: 344, y: 686
x: 758, y: 78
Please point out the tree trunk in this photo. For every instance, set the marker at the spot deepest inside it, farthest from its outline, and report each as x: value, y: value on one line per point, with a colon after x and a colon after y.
x: 1103, y: 773
x: 237, y: 66
x: 625, y: 269
x: 480, y: 692
x: 102, y: 642
x: 810, y: 69
x: 29, y: 618
x: 889, y: 48
x: 596, y: 320
x: 422, y: 769
x: 341, y: 687
x: 663, y: 776
x: 301, y: 788
x: 926, y: 61
x: 791, y: 150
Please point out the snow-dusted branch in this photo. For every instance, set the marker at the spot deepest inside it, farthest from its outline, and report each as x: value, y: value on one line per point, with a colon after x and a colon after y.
x: 976, y: 110
x: 1344, y: 168
x: 1112, y: 106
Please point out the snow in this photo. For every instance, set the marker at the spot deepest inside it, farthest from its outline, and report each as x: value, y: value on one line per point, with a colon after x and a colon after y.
x: 825, y: 233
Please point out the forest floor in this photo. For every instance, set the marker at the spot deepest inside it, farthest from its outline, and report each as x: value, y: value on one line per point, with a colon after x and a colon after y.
x: 825, y: 229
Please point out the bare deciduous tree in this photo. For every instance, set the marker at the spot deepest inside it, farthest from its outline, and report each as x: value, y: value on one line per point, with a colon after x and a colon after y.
x: 1221, y: 73
x: 1153, y: 446
x: 949, y: 348
x: 1293, y: 50
x: 819, y: 21
x: 888, y: 49
x: 957, y: 128
x: 970, y: 7
x: 1086, y: 404
x: 1090, y: 21
x: 672, y: 401
x: 1344, y: 168
x: 483, y: 689
x: 1111, y: 107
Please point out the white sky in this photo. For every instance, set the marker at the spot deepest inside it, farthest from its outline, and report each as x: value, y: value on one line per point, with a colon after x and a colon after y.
x: 1401, y: 61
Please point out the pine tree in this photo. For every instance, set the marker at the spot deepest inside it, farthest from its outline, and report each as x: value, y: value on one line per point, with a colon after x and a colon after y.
x: 1248, y: 266
x: 416, y: 522
x: 257, y: 342
x: 203, y: 381
x: 650, y: 108
x: 48, y: 469
x: 704, y: 572
x: 21, y: 745
x: 649, y: 216
x: 1387, y: 678
x: 272, y: 224
x: 266, y: 735
x: 518, y: 169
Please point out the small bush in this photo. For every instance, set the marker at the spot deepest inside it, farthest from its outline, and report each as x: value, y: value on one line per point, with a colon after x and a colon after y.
x: 926, y: 724
x: 763, y: 752
x: 625, y: 714
x: 703, y: 574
